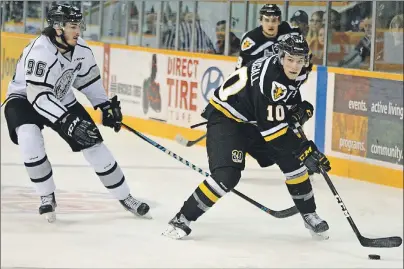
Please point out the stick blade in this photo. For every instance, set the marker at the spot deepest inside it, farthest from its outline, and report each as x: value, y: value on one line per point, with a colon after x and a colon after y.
x: 286, y: 213
x: 181, y: 140
x: 385, y: 242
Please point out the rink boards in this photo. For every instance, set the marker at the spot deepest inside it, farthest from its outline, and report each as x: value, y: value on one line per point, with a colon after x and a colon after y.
x: 358, y: 119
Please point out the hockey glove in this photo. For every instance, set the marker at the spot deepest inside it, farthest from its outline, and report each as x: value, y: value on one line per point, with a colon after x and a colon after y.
x: 312, y: 157
x: 111, y: 113
x: 83, y: 132
x: 300, y: 113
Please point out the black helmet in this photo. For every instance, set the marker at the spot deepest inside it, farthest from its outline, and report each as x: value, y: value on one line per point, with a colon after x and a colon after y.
x: 60, y: 14
x: 270, y: 10
x: 294, y: 44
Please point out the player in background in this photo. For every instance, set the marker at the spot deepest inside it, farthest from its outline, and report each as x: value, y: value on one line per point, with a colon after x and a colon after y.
x: 253, y: 98
x: 263, y: 40
x: 41, y: 94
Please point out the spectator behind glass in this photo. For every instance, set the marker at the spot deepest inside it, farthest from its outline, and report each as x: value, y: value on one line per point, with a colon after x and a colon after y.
x: 220, y: 36
x: 396, y: 29
x: 151, y: 19
x: 316, y: 21
x: 301, y: 19
x: 390, y: 56
x: 358, y: 14
x: 338, y: 41
x: 335, y: 20
x: 361, y: 53
x: 202, y: 42
x: 317, y: 46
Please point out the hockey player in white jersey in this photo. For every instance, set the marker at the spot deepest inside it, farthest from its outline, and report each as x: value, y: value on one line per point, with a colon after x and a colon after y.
x: 40, y: 94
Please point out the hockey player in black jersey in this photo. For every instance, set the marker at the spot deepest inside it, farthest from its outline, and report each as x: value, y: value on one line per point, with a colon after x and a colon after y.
x: 254, y: 99
x: 263, y: 40
x: 41, y: 94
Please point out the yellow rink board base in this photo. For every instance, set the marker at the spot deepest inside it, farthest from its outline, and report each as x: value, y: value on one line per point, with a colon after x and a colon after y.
x: 366, y: 172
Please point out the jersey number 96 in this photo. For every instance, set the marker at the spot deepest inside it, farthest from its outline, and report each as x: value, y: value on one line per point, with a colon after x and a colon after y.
x: 37, y: 69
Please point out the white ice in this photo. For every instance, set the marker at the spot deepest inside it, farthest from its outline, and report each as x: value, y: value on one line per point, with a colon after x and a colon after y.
x: 93, y: 231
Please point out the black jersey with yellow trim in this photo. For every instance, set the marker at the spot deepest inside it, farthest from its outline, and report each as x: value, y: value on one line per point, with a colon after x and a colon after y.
x: 260, y: 94
x: 254, y: 44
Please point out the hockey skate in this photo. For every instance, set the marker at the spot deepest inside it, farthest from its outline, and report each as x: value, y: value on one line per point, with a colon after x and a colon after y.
x: 48, y: 206
x: 318, y: 228
x: 136, y: 207
x: 178, y: 227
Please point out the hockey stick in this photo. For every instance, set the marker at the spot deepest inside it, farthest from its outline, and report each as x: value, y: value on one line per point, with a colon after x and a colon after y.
x: 188, y: 143
x: 277, y: 214
x: 384, y: 242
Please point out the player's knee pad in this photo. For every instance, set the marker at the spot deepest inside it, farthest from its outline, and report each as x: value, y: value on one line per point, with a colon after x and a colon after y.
x: 227, y: 177
x: 107, y: 169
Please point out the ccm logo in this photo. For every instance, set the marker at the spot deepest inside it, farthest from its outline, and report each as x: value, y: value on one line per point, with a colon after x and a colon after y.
x: 71, y: 127
x: 305, y: 154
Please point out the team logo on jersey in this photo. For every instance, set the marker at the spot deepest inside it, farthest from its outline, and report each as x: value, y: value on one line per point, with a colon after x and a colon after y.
x: 278, y: 91
x: 237, y: 156
x: 247, y: 44
x: 62, y: 85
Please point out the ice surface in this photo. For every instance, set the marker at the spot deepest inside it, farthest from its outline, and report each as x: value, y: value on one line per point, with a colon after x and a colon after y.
x: 93, y: 231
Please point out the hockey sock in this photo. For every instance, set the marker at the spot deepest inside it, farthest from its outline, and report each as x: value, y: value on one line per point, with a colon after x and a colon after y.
x: 300, y: 189
x: 107, y: 170
x: 201, y: 200
x: 32, y: 147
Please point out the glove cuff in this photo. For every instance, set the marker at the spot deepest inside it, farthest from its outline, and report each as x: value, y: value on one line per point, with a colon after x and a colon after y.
x: 103, y: 106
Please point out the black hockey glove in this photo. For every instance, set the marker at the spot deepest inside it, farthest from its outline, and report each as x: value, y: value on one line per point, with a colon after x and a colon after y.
x: 83, y: 132
x: 300, y: 113
x: 111, y: 113
x: 312, y: 157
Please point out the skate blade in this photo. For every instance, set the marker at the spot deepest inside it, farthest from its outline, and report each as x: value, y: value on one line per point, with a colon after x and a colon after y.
x: 50, y: 217
x: 137, y: 215
x: 174, y: 233
x: 319, y: 236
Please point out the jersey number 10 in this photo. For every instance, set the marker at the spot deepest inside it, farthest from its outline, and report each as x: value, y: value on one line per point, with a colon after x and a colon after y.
x: 276, y: 113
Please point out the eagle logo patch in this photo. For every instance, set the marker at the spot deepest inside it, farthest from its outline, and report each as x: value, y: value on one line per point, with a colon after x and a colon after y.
x: 278, y: 91
x: 247, y: 44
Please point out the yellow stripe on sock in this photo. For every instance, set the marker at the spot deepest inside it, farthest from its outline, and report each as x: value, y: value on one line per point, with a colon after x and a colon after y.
x: 298, y: 180
x: 208, y: 193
